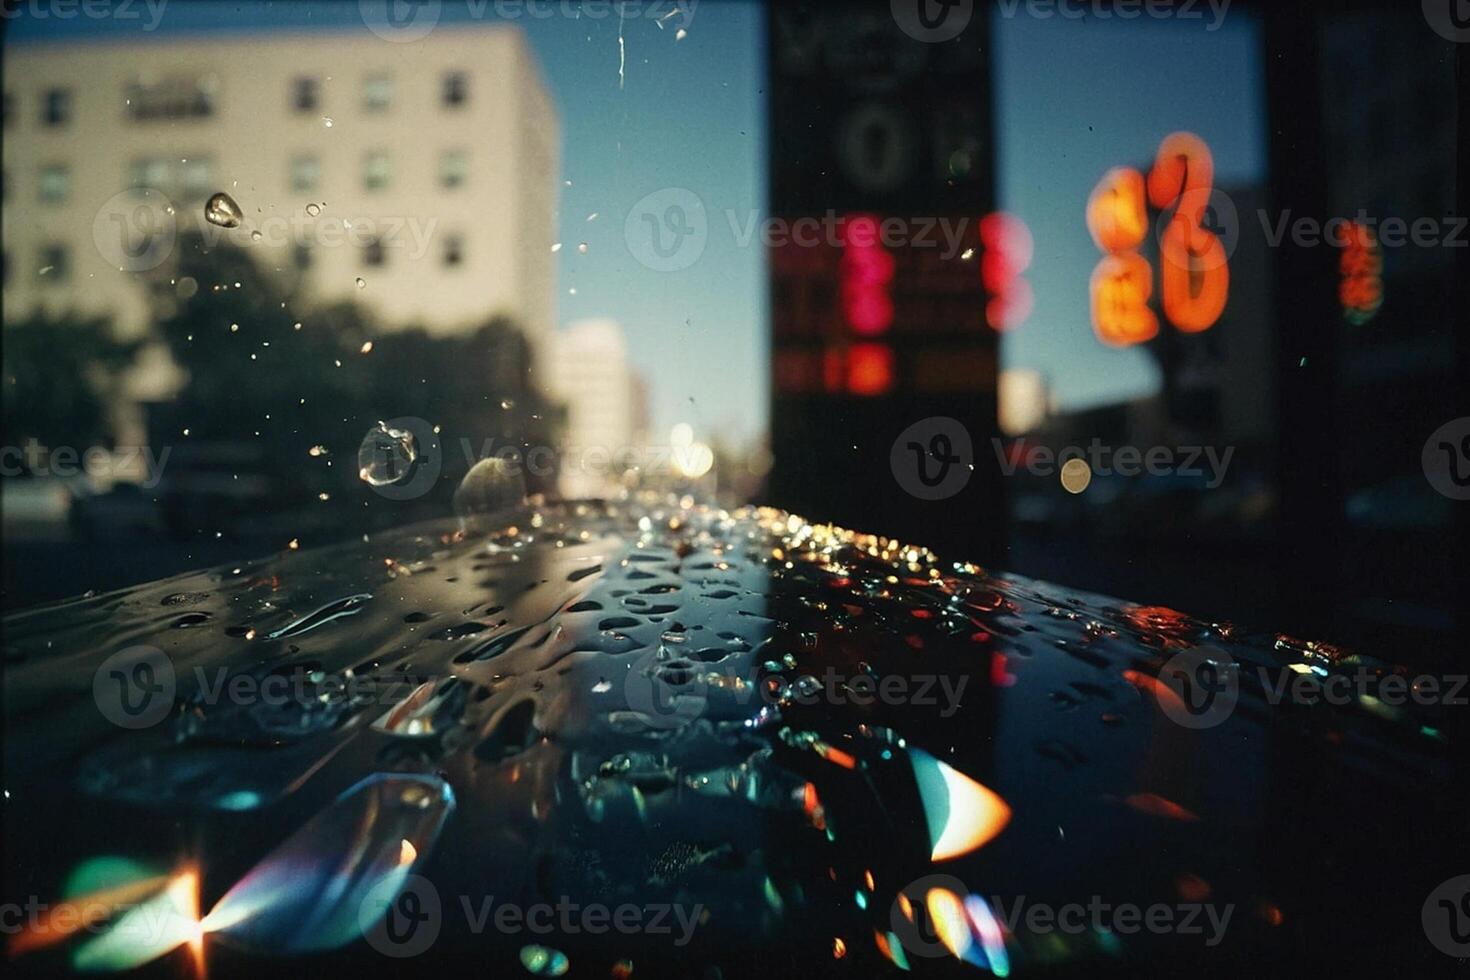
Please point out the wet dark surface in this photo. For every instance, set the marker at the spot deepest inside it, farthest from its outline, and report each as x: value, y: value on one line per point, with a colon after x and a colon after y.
x: 771, y: 728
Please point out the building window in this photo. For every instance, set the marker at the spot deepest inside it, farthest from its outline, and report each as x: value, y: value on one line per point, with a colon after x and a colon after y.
x: 55, y: 263
x: 194, y: 180
x: 176, y: 97
x: 306, y: 173
x: 149, y: 173
x: 454, y: 166
x: 453, y: 253
x: 373, y: 253
x: 456, y: 89
x: 304, y: 94
x: 375, y: 170
x: 377, y: 93
x: 56, y: 107
x: 55, y: 184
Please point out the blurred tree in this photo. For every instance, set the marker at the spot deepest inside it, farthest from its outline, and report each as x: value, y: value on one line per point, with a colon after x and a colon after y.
x: 60, y: 376
x: 263, y: 390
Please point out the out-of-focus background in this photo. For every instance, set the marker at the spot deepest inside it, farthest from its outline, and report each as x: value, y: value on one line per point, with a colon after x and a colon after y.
x: 1155, y: 300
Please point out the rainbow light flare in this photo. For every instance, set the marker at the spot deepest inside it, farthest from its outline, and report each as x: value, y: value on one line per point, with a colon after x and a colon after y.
x: 307, y: 895
x: 153, y: 928
x: 963, y: 815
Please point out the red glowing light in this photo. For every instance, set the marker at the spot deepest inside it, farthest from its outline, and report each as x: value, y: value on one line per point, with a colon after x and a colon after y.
x: 867, y: 271
x: 869, y: 369
x: 1009, y: 249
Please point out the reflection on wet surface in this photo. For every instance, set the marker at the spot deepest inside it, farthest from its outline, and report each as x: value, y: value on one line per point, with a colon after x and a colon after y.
x: 824, y: 751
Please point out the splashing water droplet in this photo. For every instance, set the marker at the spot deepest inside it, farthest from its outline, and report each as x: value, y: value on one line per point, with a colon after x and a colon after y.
x: 385, y: 456
x: 222, y: 210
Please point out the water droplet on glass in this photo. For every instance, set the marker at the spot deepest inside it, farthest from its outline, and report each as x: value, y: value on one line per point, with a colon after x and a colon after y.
x: 222, y: 210
x: 507, y: 404
x: 256, y: 236
x: 313, y: 209
x: 361, y: 282
x: 492, y: 484
x: 582, y: 247
x: 385, y: 456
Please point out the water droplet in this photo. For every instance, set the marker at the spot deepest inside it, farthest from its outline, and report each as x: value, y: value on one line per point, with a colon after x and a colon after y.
x: 222, y: 210
x: 313, y: 209
x: 385, y: 456
x: 507, y: 404
x: 492, y: 484
x: 361, y: 282
x: 327, y: 121
x: 256, y: 236
x: 582, y: 247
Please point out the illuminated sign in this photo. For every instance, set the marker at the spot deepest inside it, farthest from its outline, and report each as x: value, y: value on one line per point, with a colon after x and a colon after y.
x: 1194, y: 267
x: 866, y: 271
x: 1008, y: 253
x: 1361, y: 265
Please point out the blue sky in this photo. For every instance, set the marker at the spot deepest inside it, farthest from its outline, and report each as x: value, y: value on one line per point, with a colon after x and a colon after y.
x: 1073, y: 99
x: 1077, y: 97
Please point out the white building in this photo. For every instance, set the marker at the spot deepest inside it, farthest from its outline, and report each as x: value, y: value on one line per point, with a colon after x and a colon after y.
x: 589, y: 372
x: 427, y: 169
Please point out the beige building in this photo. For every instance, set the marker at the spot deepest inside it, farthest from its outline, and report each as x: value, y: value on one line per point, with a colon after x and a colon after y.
x: 428, y: 169
x: 590, y: 373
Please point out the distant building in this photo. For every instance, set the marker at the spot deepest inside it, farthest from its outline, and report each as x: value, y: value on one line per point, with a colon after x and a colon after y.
x: 430, y: 174
x: 1362, y: 129
x: 589, y: 372
x: 1023, y: 400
